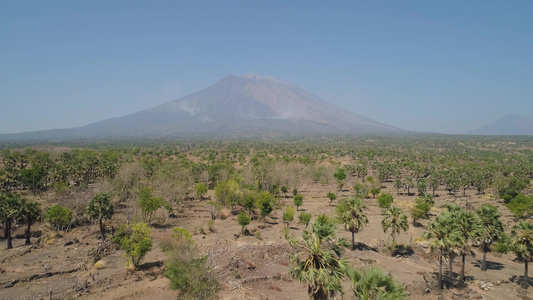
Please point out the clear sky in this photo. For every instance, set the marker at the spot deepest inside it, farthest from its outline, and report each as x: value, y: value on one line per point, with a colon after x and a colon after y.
x: 444, y: 66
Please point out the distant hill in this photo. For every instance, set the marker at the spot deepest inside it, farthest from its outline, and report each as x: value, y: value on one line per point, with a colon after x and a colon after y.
x: 235, y: 106
x: 508, y: 125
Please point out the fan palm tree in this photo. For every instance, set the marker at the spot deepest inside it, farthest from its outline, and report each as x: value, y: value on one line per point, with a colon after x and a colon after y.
x: 10, y: 208
x: 522, y: 246
x: 318, y: 262
x: 471, y: 230
x: 395, y: 220
x: 374, y: 284
x: 444, y: 236
x: 30, y: 213
x: 492, y: 229
x: 351, y: 213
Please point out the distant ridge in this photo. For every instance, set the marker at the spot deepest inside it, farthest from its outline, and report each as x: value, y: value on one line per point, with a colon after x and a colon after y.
x: 508, y: 125
x: 235, y: 106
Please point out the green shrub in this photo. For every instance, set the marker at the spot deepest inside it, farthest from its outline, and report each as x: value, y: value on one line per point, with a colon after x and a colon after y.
x: 521, y: 206
x: 503, y: 244
x: 374, y: 191
x: 243, y: 220
x: 288, y: 215
x: 385, y: 200
x: 192, y: 277
x: 298, y: 200
x: 305, y: 217
x: 188, y: 271
x: 211, y: 225
x: 512, y: 188
x: 137, y: 244
x: 59, y: 216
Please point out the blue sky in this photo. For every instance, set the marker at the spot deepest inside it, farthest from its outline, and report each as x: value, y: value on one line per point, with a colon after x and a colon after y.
x: 444, y: 66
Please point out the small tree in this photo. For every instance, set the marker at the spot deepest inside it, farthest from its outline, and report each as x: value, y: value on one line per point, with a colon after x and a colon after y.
x: 298, y: 200
x: 244, y: 220
x: 31, y: 211
x: 265, y: 207
x: 522, y: 246
x: 317, y: 261
x: 249, y: 203
x: 351, y: 213
x: 214, y: 208
x: 100, y: 209
x: 10, y: 209
x: 422, y: 208
x: 284, y: 191
x: 59, y: 216
x: 385, y: 200
x: 339, y: 174
x: 149, y: 203
x: 138, y: 243
x: 288, y: 215
x: 444, y: 235
x: 331, y: 197
x: 305, y: 217
x: 200, y: 189
x: 398, y: 184
x: 361, y: 190
x: 374, y: 191
x: 409, y: 183
x: 492, y: 229
x: 395, y: 220
x: 421, y: 186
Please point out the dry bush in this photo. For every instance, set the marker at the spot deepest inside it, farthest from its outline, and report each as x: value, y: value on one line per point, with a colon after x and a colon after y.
x: 99, y: 265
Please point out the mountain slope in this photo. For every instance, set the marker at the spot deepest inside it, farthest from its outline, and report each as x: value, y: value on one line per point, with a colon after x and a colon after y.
x: 508, y: 125
x: 247, y: 105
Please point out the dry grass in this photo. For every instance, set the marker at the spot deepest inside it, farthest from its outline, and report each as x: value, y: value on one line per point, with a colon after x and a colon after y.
x: 99, y: 265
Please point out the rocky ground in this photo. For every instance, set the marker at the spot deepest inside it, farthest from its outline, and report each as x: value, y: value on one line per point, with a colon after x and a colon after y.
x: 249, y: 267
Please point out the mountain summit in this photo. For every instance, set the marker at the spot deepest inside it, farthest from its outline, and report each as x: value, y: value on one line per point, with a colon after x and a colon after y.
x: 238, y: 106
x: 508, y: 125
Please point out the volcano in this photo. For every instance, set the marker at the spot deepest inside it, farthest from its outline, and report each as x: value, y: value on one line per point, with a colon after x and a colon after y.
x: 235, y: 106
x: 508, y: 125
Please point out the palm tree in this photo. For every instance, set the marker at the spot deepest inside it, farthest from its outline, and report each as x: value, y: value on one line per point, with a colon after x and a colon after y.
x: 492, y: 229
x: 471, y: 230
x: 444, y: 236
x: 30, y: 212
x: 318, y: 262
x: 395, y: 220
x: 351, y: 214
x: 373, y: 284
x: 522, y: 246
x: 10, y: 207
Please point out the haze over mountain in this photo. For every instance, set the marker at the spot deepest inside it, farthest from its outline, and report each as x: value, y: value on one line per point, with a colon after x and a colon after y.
x: 508, y: 125
x: 235, y: 106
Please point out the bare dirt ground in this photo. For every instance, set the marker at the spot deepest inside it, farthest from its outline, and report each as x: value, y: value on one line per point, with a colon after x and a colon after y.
x: 248, y: 267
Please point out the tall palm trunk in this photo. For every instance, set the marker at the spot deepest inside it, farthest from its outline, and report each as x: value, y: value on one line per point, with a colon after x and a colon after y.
x: 440, y: 272
x: 524, y: 280
x: 102, y: 230
x: 353, y: 240
x: 5, y: 229
x: 450, y: 265
x: 28, y: 234
x: 484, y: 263
x: 9, y: 237
x: 463, y: 258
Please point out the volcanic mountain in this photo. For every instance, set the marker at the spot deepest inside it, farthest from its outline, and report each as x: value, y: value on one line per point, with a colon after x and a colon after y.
x: 508, y: 125
x: 235, y: 106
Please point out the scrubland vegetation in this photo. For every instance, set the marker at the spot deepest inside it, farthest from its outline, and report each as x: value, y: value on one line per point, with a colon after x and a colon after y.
x: 364, y: 217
